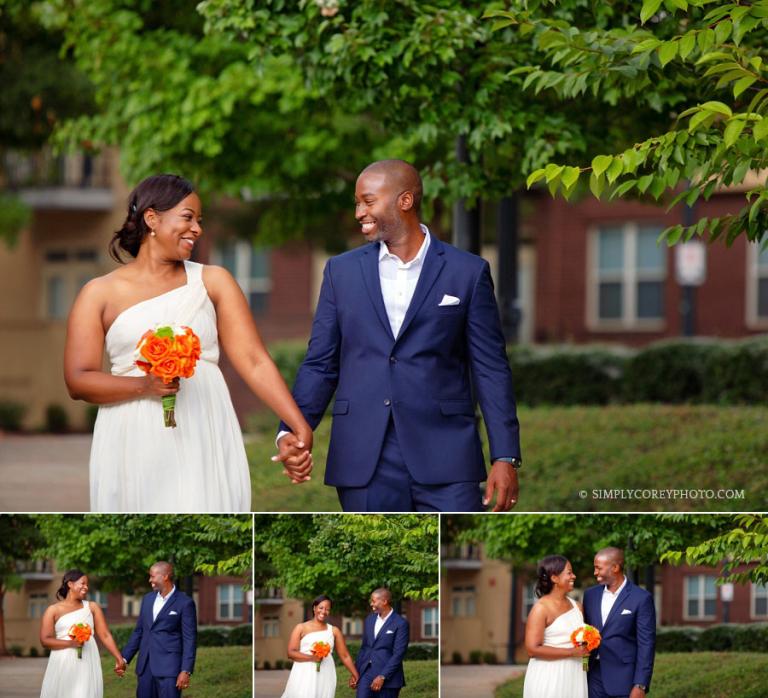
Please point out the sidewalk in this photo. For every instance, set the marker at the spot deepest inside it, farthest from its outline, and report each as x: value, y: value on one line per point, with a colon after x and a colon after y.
x: 475, y: 681
x: 44, y: 473
x: 21, y: 678
x: 270, y: 684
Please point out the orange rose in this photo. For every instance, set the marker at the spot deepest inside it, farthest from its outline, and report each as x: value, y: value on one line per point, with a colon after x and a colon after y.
x: 185, y: 345
x: 167, y: 369
x: 156, y: 348
x: 186, y: 367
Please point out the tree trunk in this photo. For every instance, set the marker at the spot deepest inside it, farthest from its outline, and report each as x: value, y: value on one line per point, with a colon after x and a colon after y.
x: 3, y: 648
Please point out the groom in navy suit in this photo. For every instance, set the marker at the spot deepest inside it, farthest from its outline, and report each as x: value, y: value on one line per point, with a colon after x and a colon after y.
x: 385, y: 641
x: 625, y: 616
x: 407, y: 334
x: 165, y: 637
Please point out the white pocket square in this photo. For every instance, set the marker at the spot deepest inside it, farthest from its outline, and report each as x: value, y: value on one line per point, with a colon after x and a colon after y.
x: 449, y: 300
x: 389, y: 632
x: 172, y: 613
x: 626, y: 612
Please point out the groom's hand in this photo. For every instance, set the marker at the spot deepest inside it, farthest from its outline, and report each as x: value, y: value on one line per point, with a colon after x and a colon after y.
x: 295, y: 457
x: 377, y: 683
x: 503, y: 481
x: 182, y: 680
x: 120, y: 667
x: 636, y: 692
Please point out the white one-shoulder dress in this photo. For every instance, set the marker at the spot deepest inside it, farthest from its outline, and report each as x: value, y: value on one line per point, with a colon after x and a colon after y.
x: 138, y: 464
x: 558, y: 678
x: 70, y: 676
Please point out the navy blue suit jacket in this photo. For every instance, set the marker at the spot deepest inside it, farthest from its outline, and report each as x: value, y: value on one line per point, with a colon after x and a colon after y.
x: 423, y: 379
x: 168, y: 645
x: 628, y: 640
x: 383, y: 655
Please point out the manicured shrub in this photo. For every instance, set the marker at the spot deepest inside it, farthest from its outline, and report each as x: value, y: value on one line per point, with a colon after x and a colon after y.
x: 751, y: 638
x: 456, y: 658
x: 422, y: 650
x: 476, y: 657
x: 56, y: 419
x: 241, y: 634
x: 489, y: 658
x: 11, y: 415
x: 677, y: 639
x: 718, y: 638
x: 737, y: 373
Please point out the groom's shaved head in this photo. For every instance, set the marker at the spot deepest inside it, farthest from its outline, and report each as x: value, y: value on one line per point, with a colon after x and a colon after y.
x: 615, y: 556
x: 384, y: 593
x: 403, y: 175
x: 164, y: 568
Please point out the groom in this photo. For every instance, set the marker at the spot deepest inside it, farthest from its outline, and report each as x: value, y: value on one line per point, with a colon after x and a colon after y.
x: 165, y: 637
x: 406, y: 334
x: 385, y: 640
x: 625, y: 616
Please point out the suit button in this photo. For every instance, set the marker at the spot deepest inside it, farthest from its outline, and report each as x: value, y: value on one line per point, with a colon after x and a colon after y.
x: 387, y: 402
x: 392, y: 360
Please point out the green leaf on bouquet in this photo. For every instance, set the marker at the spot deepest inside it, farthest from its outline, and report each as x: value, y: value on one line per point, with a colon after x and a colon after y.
x: 164, y: 332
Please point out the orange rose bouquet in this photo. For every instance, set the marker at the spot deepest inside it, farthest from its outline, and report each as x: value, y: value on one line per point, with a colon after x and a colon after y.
x: 168, y: 352
x: 321, y: 650
x: 81, y: 632
x: 586, y: 636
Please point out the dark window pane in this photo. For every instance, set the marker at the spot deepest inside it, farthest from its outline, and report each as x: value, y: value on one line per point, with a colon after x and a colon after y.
x: 762, y: 298
x: 693, y: 608
x: 761, y: 606
x: 227, y: 251
x: 709, y: 607
x: 611, y: 249
x: 610, y: 300
x: 86, y: 255
x: 258, y: 301
x: 650, y: 299
x: 56, y: 256
x: 259, y: 264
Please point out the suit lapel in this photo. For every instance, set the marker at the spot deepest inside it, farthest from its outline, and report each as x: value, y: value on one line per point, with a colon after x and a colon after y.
x: 369, y: 264
x: 433, y: 264
x: 383, y: 627
x: 619, y: 600
x: 167, y: 606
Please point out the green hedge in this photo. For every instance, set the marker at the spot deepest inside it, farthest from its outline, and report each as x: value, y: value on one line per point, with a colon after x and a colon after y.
x: 670, y: 371
x: 415, y: 651
x: 207, y: 635
x: 724, y: 637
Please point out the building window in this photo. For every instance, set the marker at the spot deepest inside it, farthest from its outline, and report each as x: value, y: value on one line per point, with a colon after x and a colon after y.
x: 131, y: 606
x: 250, y: 267
x: 352, y: 626
x: 627, y: 270
x: 760, y: 601
x: 757, y: 286
x: 229, y: 602
x: 700, y: 597
x: 65, y: 272
x: 38, y: 602
x: 100, y: 598
x: 529, y: 598
x: 429, y: 622
x: 270, y: 626
x: 463, y: 601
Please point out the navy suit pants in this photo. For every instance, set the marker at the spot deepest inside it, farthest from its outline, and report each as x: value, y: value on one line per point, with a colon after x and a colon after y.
x: 150, y: 686
x: 393, y: 489
x: 364, y: 687
x: 595, y: 683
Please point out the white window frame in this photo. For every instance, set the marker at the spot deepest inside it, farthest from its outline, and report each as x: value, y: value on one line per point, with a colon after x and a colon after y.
x: 72, y: 272
x: 270, y: 626
x: 629, y: 277
x: 229, y: 601
x: 131, y: 606
x: 435, y: 622
x: 529, y: 597
x: 755, y: 592
x: 463, y: 595
x: 754, y: 273
x: 242, y: 273
x: 37, y: 602
x: 701, y: 597
x: 100, y: 598
x: 351, y: 627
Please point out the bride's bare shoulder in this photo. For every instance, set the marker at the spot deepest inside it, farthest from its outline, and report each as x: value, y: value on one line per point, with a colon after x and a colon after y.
x: 108, y: 285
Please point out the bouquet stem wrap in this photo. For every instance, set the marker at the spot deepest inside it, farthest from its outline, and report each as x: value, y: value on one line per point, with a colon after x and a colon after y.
x: 586, y: 636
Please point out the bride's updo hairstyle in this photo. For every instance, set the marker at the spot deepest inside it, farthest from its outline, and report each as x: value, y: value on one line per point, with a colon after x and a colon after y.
x: 70, y: 576
x: 159, y: 192
x: 549, y: 567
x: 320, y: 600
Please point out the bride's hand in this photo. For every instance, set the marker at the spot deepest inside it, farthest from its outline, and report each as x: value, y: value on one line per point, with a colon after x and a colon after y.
x: 74, y: 644
x: 580, y: 651
x: 304, y: 434
x: 154, y: 387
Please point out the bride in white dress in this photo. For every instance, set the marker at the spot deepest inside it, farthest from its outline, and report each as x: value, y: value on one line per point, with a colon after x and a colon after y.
x: 305, y: 680
x: 137, y: 463
x: 555, y: 668
x: 67, y: 675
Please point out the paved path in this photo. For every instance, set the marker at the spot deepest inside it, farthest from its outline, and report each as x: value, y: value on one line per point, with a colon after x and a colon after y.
x: 270, y: 684
x: 475, y: 681
x: 44, y: 472
x: 21, y: 678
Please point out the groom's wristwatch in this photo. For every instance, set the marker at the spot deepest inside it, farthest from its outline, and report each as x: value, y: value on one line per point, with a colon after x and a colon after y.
x: 514, y: 462
x: 640, y: 686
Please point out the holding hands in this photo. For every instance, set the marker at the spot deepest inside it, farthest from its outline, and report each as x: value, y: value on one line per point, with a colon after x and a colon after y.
x: 120, y: 666
x: 295, y: 453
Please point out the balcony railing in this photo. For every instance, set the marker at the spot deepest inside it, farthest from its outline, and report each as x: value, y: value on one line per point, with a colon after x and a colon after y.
x: 44, y: 180
x: 35, y: 569
x: 465, y: 556
x: 268, y: 595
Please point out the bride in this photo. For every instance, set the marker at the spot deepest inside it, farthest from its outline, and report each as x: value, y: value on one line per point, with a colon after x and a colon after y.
x: 555, y: 668
x: 67, y: 675
x: 305, y: 678
x: 137, y: 463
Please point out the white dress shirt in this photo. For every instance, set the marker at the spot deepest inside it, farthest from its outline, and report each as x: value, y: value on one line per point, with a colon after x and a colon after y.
x: 398, y: 281
x: 609, y: 598
x: 160, y: 601
x: 380, y: 622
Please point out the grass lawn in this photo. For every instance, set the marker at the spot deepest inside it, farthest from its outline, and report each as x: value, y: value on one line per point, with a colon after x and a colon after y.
x: 700, y: 674
x: 219, y: 671
x: 570, y: 449
x: 421, y: 679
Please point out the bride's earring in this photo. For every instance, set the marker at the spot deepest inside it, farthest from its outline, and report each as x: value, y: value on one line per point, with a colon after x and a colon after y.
x: 152, y: 233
